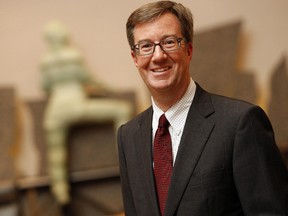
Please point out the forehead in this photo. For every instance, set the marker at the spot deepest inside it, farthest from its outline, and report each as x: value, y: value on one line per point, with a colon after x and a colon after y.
x: 167, y: 24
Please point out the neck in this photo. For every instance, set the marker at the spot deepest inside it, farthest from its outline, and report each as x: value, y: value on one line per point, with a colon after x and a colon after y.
x: 164, y: 100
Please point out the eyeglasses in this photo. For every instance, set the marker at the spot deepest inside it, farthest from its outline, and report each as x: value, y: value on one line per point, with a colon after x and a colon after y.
x: 168, y: 44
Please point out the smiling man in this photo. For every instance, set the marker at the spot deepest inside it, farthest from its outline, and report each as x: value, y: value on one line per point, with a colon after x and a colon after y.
x: 192, y: 152
x: 164, y: 68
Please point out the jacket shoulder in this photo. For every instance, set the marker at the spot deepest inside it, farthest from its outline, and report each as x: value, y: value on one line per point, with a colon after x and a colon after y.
x: 146, y: 115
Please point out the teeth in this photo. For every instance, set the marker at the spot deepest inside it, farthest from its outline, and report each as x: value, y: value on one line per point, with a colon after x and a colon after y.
x: 161, y: 69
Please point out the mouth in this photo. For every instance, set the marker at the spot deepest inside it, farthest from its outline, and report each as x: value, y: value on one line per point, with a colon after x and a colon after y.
x: 162, y: 69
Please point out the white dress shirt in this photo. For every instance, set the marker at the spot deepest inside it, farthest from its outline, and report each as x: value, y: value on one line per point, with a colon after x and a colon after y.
x: 176, y: 115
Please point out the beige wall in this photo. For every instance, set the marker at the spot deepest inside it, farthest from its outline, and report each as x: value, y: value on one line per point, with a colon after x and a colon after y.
x: 98, y: 30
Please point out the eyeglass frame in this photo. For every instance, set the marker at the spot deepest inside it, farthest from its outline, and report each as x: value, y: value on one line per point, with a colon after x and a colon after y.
x: 179, y: 40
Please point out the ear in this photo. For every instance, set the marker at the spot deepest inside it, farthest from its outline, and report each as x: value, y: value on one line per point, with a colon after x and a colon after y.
x: 190, y: 50
x: 134, y: 56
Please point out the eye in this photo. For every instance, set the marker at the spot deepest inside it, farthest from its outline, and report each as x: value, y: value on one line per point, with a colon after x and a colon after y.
x: 146, y: 46
x: 169, y: 42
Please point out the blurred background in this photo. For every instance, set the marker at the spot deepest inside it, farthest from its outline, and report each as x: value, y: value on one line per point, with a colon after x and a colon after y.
x: 98, y: 29
x: 244, y: 37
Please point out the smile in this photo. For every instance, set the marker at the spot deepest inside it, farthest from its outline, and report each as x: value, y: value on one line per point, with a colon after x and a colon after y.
x: 157, y: 70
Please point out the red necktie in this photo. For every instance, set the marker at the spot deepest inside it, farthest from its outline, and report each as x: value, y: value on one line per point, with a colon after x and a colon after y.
x: 163, y: 161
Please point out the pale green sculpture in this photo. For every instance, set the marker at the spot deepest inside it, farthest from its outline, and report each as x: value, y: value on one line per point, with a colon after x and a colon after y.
x: 63, y: 78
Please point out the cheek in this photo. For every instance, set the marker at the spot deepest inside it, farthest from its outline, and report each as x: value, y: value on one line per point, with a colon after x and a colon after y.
x: 184, y: 60
x: 141, y: 63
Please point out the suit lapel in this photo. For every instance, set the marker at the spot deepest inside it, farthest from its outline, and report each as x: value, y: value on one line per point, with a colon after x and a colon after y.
x: 145, y: 134
x: 195, y: 135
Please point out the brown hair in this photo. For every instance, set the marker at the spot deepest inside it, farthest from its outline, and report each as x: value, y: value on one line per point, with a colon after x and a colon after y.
x: 152, y: 11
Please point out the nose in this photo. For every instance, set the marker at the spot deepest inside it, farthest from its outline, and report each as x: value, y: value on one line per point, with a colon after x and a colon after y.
x: 158, y: 52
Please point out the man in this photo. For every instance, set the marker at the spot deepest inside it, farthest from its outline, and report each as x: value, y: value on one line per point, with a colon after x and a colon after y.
x: 224, y: 157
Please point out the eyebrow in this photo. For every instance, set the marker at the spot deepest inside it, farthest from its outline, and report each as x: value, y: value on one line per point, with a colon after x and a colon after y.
x: 162, y: 38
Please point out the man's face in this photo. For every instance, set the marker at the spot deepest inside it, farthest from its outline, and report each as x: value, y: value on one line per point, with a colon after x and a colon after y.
x: 163, y: 71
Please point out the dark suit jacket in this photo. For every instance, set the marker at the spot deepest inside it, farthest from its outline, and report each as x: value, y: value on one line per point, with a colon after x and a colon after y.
x: 227, y: 163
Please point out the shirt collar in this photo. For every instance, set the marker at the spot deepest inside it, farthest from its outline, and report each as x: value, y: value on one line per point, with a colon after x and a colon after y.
x: 178, y: 112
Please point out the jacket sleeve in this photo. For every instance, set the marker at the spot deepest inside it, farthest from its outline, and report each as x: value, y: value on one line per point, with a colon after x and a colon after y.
x: 126, y: 190
x: 259, y: 172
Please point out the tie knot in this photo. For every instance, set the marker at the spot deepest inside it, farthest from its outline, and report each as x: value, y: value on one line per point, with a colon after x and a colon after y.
x: 163, y: 122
